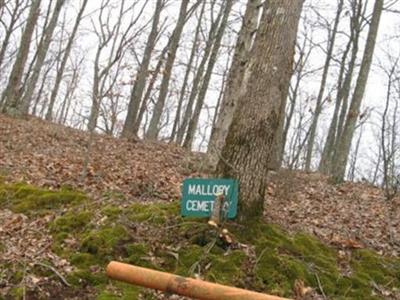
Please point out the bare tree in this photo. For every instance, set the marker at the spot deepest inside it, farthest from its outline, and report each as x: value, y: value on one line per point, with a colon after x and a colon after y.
x: 15, y: 13
x: 60, y: 71
x: 304, y: 51
x: 347, y: 67
x: 388, y: 134
x: 247, y: 149
x: 152, y: 131
x: 108, y: 35
x: 140, y: 82
x: 149, y: 89
x: 41, y: 55
x: 189, y: 67
x: 318, y: 106
x: 197, y: 80
x: 207, y: 76
x: 354, y: 110
x: 11, y: 98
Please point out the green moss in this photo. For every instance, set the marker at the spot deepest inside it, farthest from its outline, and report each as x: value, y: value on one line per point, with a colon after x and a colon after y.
x: 112, y: 212
x: 101, y: 243
x: 17, y: 276
x: 153, y: 213
x: 27, y: 199
x: 187, y: 258
x: 17, y: 293
x: 71, y: 222
x: 84, y: 260
x: 118, y: 291
x: 86, y: 277
x: 226, y: 269
x: 138, y: 254
x: 279, y: 272
x: 370, y: 267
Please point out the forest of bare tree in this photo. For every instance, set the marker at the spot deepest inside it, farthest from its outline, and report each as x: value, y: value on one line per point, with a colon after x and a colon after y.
x: 212, y: 149
x: 175, y: 72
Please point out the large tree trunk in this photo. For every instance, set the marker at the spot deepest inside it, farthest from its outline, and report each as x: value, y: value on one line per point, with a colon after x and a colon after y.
x: 140, y: 82
x: 12, y: 94
x: 344, y: 145
x: 60, y: 73
x: 206, y: 80
x: 41, y: 55
x: 236, y: 80
x: 247, y: 151
x: 325, y: 72
x: 152, y: 131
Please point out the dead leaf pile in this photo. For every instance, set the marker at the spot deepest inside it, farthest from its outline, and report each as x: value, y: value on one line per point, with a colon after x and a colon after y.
x: 349, y: 215
x: 50, y: 155
x: 26, y: 245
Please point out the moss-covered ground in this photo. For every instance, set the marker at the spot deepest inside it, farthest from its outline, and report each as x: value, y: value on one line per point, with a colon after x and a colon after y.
x: 263, y: 256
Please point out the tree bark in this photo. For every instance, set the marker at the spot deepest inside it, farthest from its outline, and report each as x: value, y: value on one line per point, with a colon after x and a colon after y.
x: 152, y: 131
x: 236, y: 82
x: 12, y: 94
x: 247, y: 150
x: 344, y: 146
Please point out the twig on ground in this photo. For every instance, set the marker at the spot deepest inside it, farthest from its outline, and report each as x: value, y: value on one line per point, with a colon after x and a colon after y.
x: 203, y: 256
x: 320, y: 286
x: 63, y: 280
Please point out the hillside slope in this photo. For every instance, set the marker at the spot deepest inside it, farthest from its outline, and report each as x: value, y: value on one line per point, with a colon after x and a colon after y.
x: 57, y: 231
x: 50, y: 155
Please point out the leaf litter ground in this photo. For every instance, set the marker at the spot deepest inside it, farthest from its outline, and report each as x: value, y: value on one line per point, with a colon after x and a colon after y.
x: 49, y: 247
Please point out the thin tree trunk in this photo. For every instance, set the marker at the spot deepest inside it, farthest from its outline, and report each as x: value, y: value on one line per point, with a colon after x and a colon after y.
x: 12, y: 93
x: 149, y: 89
x: 247, y: 150
x: 11, y: 27
x: 330, y: 138
x: 187, y: 74
x: 325, y: 72
x: 42, y: 51
x: 236, y: 80
x: 206, y: 80
x: 152, y: 131
x: 353, y: 163
x: 197, y: 80
x: 140, y: 82
x: 354, y: 110
x: 337, y: 123
x: 60, y: 73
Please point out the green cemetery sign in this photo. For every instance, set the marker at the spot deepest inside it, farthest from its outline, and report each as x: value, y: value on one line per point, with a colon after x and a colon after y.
x: 198, y: 196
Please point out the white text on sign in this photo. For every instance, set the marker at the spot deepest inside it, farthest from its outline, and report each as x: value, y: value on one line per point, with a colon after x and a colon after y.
x: 208, y: 190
